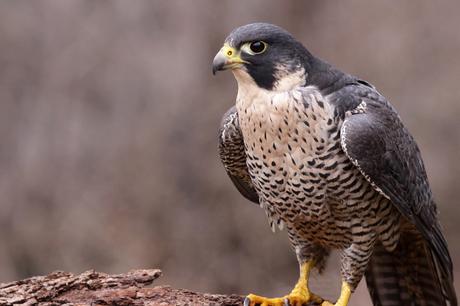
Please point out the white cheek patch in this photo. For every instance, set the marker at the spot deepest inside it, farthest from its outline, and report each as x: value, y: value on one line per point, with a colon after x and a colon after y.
x: 287, y: 80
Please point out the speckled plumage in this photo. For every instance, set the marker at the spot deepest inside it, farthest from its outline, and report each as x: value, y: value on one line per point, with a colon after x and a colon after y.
x: 327, y: 156
x: 305, y: 180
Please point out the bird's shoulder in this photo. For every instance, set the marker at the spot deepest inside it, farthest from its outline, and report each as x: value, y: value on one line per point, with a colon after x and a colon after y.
x: 343, y: 91
x: 350, y: 95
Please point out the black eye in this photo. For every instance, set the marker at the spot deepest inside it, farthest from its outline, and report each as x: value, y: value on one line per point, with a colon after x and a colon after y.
x: 258, y: 47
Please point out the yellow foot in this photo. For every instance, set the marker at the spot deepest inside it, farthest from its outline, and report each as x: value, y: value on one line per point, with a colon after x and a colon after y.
x: 288, y: 300
x: 345, y: 294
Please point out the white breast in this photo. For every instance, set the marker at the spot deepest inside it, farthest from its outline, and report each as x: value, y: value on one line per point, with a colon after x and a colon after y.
x: 282, y: 131
x: 282, y: 126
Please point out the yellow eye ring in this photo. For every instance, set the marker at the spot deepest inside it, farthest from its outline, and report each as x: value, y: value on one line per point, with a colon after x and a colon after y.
x: 229, y: 52
x: 255, y: 47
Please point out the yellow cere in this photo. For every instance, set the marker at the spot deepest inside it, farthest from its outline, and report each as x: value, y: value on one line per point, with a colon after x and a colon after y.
x: 232, y: 55
x: 227, y: 50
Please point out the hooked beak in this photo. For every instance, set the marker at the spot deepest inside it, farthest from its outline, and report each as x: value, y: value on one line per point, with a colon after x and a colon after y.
x: 227, y: 58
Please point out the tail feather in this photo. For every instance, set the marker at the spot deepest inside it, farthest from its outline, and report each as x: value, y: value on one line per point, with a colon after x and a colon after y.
x: 443, y: 263
x: 410, y: 276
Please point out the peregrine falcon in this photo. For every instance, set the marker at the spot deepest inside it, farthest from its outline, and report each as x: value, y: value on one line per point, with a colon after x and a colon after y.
x: 327, y: 157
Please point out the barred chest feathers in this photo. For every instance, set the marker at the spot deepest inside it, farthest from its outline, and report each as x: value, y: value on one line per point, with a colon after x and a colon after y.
x: 288, y: 138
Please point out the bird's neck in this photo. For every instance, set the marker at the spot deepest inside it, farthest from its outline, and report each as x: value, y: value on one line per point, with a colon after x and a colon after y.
x: 248, y: 90
x: 285, y: 81
x: 325, y: 77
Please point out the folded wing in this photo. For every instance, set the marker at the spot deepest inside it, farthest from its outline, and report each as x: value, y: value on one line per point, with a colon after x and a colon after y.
x: 233, y: 155
x: 375, y: 140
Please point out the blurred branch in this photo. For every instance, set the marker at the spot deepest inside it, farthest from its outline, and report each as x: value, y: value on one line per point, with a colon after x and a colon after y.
x: 94, y: 288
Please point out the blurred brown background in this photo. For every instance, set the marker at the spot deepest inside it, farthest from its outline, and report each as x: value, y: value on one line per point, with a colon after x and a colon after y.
x: 108, y: 124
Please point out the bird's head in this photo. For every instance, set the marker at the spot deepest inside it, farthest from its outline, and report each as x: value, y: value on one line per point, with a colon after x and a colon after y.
x: 265, y: 55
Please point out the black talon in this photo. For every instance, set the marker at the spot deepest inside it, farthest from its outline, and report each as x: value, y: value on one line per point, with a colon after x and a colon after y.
x: 247, y: 301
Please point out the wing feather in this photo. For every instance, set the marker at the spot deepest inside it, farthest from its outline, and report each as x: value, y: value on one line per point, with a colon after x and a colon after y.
x: 375, y: 140
x: 233, y: 155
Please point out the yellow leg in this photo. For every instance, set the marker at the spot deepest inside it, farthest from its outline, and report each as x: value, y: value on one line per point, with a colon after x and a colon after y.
x: 301, y: 288
x: 299, y: 295
x: 345, y: 294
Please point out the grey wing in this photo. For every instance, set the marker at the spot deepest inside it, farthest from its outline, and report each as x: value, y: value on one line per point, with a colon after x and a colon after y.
x: 375, y: 140
x: 233, y: 155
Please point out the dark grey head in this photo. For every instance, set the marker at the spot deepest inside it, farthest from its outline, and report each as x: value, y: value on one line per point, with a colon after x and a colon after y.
x: 268, y: 53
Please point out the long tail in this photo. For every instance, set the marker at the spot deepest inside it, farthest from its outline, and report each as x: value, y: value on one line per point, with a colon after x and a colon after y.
x: 411, y: 275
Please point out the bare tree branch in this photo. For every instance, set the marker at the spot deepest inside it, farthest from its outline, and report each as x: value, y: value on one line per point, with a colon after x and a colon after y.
x: 95, y: 288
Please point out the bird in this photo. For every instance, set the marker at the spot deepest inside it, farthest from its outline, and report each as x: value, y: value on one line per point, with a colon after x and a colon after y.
x: 328, y: 158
